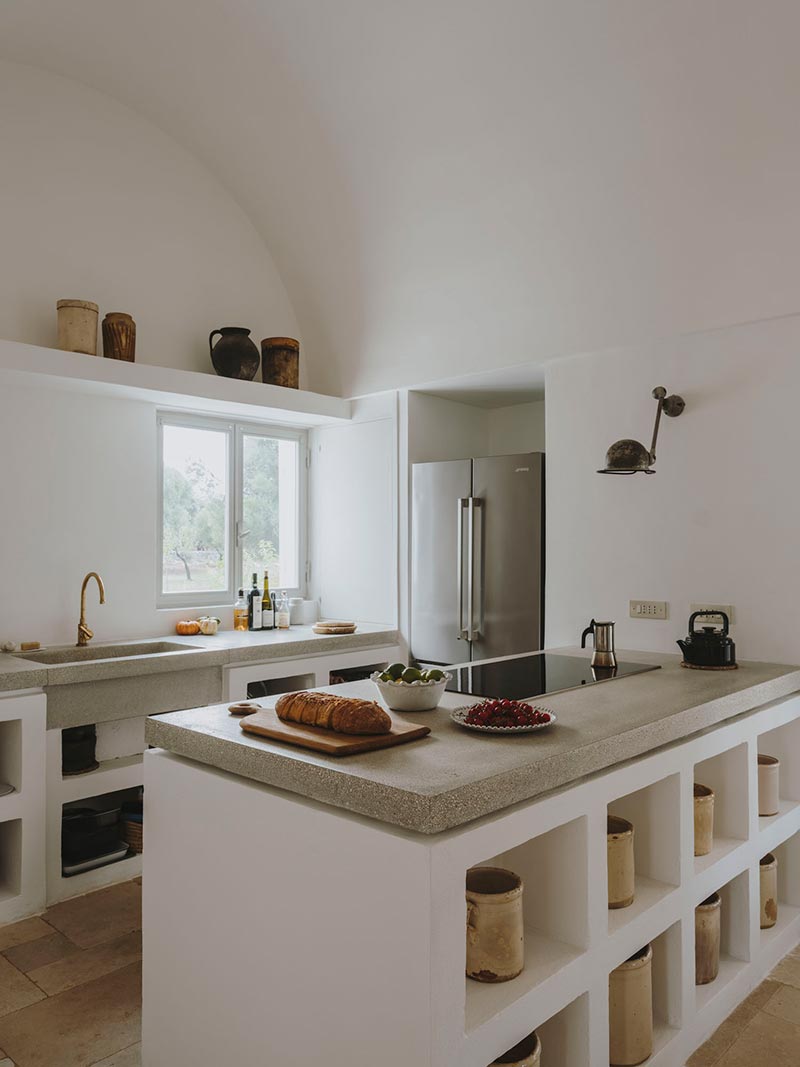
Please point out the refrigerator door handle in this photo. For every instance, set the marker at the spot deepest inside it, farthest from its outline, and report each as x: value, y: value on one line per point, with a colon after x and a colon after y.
x: 463, y: 633
x: 472, y: 631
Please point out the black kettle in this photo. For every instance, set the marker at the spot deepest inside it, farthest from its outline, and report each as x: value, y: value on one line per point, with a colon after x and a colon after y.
x: 708, y: 647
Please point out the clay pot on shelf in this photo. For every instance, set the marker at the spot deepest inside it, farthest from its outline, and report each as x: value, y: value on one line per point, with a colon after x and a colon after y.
x: 77, y: 326
x: 769, y: 770
x: 234, y: 355
x: 630, y: 1010
x: 768, y: 874
x: 528, y: 1053
x: 119, y: 336
x: 620, y: 862
x: 706, y: 939
x: 703, y: 819
x: 280, y: 364
x: 495, y: 949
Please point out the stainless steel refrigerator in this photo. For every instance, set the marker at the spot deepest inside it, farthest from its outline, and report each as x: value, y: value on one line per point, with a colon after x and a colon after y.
x: 477, y: 558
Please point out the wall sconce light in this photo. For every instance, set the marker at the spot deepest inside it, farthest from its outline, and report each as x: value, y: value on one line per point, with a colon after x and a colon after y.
x: 631, y: 457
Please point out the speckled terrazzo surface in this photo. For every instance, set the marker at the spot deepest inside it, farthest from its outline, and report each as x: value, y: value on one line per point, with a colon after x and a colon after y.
x: 455, y: 776
x: 223, y: 649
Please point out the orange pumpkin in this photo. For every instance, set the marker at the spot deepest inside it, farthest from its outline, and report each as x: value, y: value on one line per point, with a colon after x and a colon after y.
x: 187, y: 627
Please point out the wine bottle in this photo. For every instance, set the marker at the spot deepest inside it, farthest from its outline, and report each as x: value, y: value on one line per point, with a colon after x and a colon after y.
x: 267, y: 614
x: 254, y: 605
x: 240, y: 612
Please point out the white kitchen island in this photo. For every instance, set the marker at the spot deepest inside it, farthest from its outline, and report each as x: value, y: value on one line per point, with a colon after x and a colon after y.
x: 303, y: 910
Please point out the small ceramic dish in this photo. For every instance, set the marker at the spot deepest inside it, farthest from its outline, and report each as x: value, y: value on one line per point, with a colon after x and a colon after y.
x: 459, y: 715
x: 411, y: 696
x: 244, y: 707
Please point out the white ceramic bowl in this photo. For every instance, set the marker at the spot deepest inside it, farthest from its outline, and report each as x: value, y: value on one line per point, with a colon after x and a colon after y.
x: 411, y: 696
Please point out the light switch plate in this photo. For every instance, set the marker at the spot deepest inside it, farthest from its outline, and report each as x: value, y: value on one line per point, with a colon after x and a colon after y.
x: 716, y: 621
x: 648, y: 609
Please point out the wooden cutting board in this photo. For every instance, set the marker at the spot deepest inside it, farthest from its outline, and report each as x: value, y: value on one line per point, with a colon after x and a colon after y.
x: 265, y: 723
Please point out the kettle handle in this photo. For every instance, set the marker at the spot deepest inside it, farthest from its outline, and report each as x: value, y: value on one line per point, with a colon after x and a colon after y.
x: 589, y: 630
x: 709, y: 614
x: 211, y: 337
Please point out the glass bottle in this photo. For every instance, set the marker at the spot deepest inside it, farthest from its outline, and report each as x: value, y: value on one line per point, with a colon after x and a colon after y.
x: 254, y: 605
x: 267, y: 612
x: 240, y: 612
x: 283, y: 618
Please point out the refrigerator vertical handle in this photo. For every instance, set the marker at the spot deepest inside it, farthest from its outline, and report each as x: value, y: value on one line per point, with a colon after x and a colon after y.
x: 462, y: 634
x: 472, y: 631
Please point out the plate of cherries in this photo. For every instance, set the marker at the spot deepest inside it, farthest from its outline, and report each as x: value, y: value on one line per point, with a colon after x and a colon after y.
x: 503, y: 717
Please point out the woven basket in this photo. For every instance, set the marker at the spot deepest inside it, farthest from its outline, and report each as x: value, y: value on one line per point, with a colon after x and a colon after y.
x: 133, y: 835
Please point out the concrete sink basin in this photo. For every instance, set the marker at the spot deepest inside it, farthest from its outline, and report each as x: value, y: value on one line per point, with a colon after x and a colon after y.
x: 74, y: 654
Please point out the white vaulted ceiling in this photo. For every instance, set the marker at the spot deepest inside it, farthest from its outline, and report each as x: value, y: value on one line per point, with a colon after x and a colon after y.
x: 453, y: 185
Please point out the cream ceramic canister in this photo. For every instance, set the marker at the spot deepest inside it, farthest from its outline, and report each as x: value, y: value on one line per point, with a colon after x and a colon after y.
x: 495, y: 949
x: 768, y: 875
x: 703, y: 819
x: 769, y: 770
x: 630, y: 1010
x: 620, y: 862
x: 528, y: 1053
x: 77, y: 326
x: 706, y: 939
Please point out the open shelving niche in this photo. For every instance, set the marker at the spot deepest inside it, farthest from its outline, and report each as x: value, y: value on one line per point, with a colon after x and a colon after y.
x: 116, y: 774
x: 573, y: 941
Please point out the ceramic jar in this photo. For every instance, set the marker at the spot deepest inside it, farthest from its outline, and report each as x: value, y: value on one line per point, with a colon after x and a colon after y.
x: 706, y: 939
x: 280, y: 362
x: 528, y: 1053
x: 769, y: 770
x: 703, y: 819
x: 495, y: 950
x: 234, y: 355
x: 620, y: 862
x: 630, y: 1010
x: 768, y: 874
x: 119, y: 336
x: 77, y: 326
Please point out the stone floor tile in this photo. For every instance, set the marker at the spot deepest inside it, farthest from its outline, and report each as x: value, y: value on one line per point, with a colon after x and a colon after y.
x: 788, y: 971
x: 82, y: 1026
x: 26, y: 930
x: 767, y: 1039
x: 129, y: 1057
x: 16, y: 991
x: 87, y: 964
x: 100, y: 916
x: 786, y: 1004
x: 32, y: 954
x: 709, y: 1054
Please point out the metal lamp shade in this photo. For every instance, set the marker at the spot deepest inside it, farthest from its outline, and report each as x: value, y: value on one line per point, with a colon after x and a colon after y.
x: 627, y: 457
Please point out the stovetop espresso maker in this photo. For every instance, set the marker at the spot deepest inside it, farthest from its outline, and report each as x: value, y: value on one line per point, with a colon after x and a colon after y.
x: 603, y: 633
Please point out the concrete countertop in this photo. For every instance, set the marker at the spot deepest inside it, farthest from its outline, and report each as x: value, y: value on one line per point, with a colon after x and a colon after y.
x: 457, y: 775
x: 226, y: 648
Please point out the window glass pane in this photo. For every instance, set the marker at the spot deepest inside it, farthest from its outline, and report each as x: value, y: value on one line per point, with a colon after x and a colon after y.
x: 270, y: 498
x: 195, y: 510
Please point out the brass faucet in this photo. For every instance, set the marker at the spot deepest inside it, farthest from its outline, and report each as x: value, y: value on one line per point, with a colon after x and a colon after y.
x: 84, y: 633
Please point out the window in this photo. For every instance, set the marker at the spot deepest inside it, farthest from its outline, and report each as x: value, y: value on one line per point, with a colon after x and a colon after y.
x: 230, y: 504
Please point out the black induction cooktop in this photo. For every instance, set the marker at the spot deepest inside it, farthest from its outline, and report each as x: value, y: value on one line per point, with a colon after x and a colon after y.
x: 533, y: 676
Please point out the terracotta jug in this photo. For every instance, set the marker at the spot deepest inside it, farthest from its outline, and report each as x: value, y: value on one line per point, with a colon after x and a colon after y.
x: 234, y: 355
x: 280, y: 363
x: 77, y: 326
x: 495, y: 950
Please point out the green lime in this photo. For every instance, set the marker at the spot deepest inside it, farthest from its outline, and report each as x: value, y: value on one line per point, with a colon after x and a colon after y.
x: 386, y: 677
x: 411, y: 674
x: 395, y: 670
x: 434, y: 675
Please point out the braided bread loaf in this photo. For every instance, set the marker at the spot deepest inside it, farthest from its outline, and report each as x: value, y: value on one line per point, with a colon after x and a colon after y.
x: 346, y: 715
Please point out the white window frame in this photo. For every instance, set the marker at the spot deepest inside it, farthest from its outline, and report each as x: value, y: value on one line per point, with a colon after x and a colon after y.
x: 236, y: 431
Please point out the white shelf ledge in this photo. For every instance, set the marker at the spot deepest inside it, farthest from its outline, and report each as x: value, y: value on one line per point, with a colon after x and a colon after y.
x: 111, y: 775
x: 165, y: 386
x: 78, y: 884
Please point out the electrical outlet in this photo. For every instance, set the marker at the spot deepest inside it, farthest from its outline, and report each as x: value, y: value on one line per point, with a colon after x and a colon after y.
x: 648, y: 609
x: 715, y: 620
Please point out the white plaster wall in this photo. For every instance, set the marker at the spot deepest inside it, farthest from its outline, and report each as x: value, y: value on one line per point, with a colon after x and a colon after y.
x: 519, y: 428
x: 98, y: 204
x: 441, y: 429
x: 719, y: 521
